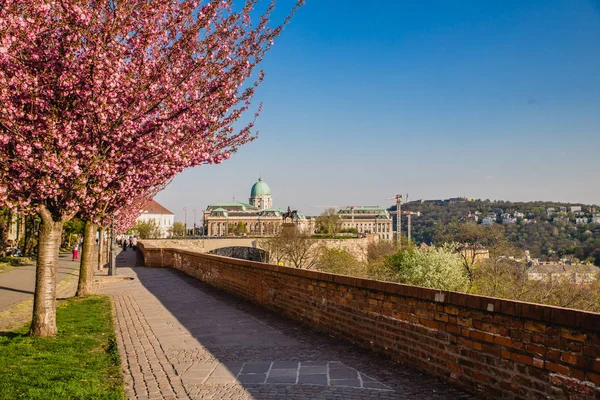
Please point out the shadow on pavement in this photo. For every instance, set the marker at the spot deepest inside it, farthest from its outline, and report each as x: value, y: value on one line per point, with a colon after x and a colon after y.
x: 265, y: 353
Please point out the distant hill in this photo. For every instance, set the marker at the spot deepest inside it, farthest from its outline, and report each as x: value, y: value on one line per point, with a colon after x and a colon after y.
x: 549, y: 230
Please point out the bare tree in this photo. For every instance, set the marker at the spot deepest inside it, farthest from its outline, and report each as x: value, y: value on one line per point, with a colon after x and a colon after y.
x: 296, y: 248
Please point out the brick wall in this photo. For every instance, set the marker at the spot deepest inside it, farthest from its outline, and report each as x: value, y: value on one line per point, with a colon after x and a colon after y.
x: 500, y: 348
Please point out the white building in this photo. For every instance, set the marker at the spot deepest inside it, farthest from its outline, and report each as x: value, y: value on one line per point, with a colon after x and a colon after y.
x: 596, y: 219
x: 488, y: 221
x: 581, y: 220
x: 162, y: 217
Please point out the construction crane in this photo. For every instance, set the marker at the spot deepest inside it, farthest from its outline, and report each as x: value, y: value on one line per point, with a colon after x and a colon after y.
x: 409, y: 214
x: 398, y: 199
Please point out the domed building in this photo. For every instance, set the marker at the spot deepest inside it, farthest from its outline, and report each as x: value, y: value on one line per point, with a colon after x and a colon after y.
x: 260, y: 195
x: 255, y: 218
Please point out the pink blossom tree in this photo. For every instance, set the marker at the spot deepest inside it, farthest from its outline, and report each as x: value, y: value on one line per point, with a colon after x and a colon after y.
x: 101, y: 99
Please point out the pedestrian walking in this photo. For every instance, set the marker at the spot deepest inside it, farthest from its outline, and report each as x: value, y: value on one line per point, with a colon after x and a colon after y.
x: 76, y: 252
x: 124, y: 245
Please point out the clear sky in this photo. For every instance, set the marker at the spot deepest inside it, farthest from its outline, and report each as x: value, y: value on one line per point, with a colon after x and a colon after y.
x: 493, y: 99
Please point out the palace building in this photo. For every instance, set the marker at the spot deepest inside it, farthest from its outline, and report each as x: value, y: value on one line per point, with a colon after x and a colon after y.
x: 255, y: 218
x: 367, y: 219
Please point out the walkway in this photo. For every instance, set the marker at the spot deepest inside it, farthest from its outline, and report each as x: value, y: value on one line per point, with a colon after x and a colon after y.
x: 181, y: 339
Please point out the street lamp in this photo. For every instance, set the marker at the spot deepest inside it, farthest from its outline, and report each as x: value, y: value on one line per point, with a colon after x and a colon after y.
x: 112, y: 263
x: 194, y: 222
x: 185, y: 221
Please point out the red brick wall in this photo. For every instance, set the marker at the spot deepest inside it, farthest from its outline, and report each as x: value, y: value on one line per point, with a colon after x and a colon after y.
x: 501, y: 348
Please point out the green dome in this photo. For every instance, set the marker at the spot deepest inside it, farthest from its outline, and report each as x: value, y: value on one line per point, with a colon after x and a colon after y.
x: 260, y: 188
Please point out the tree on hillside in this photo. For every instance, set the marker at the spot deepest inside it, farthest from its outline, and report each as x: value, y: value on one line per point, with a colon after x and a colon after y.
x: 329, y: 222
x: 473, y: 239
x: 438, y: 267
x: 101, y: 99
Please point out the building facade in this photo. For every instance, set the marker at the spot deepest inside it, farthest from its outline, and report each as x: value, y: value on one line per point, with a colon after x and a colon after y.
x: 255, y: 218
x: 367, y: 219
x: 162, y: 217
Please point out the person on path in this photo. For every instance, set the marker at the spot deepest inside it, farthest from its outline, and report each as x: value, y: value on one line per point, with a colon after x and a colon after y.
x: 134, y: 242
x: 76, y: 252
x: 124, y: 245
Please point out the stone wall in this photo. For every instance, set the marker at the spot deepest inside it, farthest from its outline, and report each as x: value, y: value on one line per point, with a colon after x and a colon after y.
x: 356, y: 247
x: 498, y: 348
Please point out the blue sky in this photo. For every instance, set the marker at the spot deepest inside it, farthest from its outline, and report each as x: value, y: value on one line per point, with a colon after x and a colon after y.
x: 488, y: 99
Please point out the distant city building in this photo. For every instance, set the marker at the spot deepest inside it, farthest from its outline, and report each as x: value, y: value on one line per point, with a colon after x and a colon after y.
x: 581, y: 220
x: 367, y: 219
x: 162, y: 217
x: 577, y: 273
x: 550, y: 211
x: 488, y: 221
x: 470, y: 218
x: 474, y: 253
x: 256, y: 218
x: 596, y: 219
x: 576, y: 210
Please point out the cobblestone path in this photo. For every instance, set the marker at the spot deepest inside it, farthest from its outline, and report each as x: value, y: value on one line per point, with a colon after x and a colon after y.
x: 180, y: 339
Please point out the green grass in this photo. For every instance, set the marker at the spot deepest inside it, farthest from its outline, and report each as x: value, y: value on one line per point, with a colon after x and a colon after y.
x: 81, y: 362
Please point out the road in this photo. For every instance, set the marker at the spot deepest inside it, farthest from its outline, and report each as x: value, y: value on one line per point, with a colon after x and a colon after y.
x: 18, y: 284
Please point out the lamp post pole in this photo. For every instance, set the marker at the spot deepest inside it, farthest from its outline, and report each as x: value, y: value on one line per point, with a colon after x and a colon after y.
x: 185, y: 221
x: 194, y: 222
x: 112, y: 265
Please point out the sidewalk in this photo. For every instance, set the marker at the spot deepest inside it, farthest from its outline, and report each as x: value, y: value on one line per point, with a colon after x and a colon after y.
x: 17, y: 287
x: 180, y: 339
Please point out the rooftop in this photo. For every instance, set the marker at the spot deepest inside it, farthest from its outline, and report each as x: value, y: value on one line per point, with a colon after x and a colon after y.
x: 153, y: 207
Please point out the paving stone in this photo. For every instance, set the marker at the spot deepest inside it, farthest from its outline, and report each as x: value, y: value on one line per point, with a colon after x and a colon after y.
x: 285, y: 364
x: 284, y: 372
x: 345, y: 382
x: 375, y: 385
x: 313, y: 363
x: 255, y: 368
x: 281, y: 379
x: 313, y: 379
x: 343, y: 373
x: 320, y: 369
x: 215, y: 380
x: 251, y: 378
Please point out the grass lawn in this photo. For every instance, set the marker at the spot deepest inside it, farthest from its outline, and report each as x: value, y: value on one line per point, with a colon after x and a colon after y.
x: 81, y: 362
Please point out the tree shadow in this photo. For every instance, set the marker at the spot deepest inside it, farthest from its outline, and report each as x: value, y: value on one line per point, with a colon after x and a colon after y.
x: 12, y: 335
x: 15, y: 290
x: 233, y: 331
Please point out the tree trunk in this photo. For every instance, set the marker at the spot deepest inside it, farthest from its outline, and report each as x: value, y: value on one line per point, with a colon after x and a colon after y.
x: 101, y: 249
x: 44, y: 299
x: 86, y: 271
x: 6, y: 218
x: 29, y: 234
